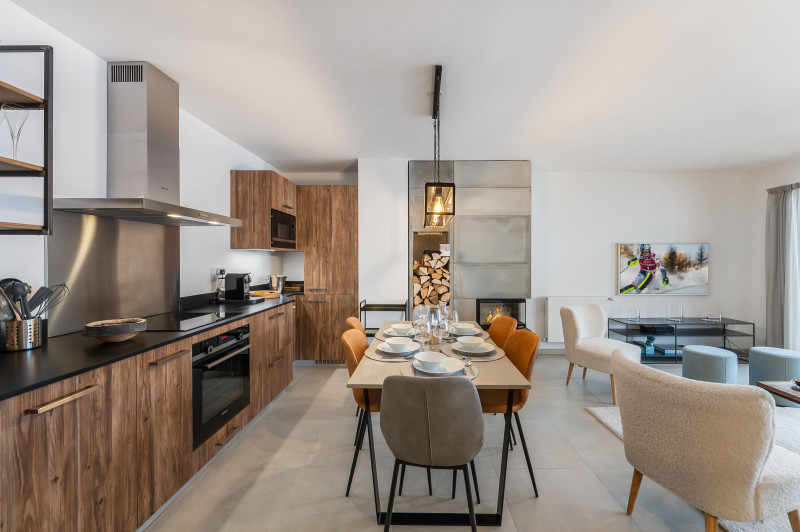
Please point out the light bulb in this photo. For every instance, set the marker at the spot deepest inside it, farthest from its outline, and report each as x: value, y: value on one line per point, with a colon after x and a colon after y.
x: 438, y: 204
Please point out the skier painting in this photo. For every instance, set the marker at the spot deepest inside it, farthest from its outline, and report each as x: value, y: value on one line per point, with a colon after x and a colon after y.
x: 663, y: 269
x: 648, y: 264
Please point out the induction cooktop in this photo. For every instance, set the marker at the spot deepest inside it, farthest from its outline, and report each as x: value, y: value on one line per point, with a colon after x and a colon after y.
x: 185, y: 321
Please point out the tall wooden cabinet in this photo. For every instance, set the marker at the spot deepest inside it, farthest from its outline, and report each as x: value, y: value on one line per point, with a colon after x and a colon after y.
x: 254, y: 193
x: 327, y: 231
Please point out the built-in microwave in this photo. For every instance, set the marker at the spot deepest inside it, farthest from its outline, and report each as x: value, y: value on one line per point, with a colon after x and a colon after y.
x: 284, y: 230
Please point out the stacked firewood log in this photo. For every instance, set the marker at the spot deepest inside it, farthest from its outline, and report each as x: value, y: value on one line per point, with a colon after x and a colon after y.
x: 431, y: 279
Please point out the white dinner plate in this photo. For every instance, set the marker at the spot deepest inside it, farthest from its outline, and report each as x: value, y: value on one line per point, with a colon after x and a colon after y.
x: 484, y: 349
x: 447, y: 367
x: 386, y: 349
x: 476, y: 331
x: 392, y: 332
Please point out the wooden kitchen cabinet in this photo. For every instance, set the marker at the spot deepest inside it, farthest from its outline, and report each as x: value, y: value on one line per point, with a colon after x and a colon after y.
x: 283, y: 191
x: 72, y: 465
x: 164, y: 432
x: 254, y: 193
x: 327, y: 230
x: 282, y: 355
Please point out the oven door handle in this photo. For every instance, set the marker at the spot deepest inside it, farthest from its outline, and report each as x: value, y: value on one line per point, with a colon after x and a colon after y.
x: 226, y: 357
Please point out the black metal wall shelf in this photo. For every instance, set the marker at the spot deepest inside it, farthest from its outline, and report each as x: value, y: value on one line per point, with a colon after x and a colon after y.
x: 12, y: 168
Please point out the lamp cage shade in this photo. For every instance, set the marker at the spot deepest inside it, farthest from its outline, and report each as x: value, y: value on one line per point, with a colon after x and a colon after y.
x: 440, y: 204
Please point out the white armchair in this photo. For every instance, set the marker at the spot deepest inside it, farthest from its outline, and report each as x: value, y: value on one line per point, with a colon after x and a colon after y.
x: 711, y: 444
x: 585, y: 343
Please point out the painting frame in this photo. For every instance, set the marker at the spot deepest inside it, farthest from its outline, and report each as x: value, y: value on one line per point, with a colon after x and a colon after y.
x: 686, y: 265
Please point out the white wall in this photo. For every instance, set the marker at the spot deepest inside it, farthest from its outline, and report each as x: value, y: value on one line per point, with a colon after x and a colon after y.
x: 207, y: 157
x: 383, y: 231
x: 78, y: 131
x: 578, y: 219
x: 79, y: 102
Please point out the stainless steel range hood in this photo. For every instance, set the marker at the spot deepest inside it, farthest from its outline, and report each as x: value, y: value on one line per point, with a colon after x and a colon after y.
x: 143, y: 153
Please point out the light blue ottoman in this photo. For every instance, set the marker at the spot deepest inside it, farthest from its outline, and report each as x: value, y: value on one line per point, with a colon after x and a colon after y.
x: 774, y: 364
x: 710, y: 364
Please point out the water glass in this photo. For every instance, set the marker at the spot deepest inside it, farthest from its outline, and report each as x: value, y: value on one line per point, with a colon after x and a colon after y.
x: 674, y: 312
x: 440, y: 331
x: 633, y: 315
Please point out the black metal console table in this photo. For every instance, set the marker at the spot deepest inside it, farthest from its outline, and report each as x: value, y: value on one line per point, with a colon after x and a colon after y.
x: 728, y: 332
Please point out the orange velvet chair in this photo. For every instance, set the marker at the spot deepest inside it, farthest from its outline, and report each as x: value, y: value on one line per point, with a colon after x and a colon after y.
x: 355, y: 323
x: 500, y: 329
x: 521, y: 349
x: 355, y: 345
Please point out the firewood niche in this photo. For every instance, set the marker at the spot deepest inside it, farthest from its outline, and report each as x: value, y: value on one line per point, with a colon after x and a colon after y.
x: 431, y: 279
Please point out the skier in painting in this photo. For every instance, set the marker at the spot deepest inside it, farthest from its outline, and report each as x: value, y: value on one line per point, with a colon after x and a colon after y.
x: 648, y: 264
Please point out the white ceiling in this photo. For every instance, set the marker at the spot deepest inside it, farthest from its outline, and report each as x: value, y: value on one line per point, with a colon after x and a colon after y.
x: 571, y: 84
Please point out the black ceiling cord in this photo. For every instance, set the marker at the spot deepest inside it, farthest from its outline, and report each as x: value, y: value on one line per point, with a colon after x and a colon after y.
x: 437, y: 92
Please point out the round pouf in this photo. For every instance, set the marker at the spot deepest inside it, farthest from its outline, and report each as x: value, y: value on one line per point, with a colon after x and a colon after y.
x: 710, y: 364
x: 774, y: 364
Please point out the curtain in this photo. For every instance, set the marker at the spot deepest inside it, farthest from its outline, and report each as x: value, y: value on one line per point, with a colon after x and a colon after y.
x: 783, y: 266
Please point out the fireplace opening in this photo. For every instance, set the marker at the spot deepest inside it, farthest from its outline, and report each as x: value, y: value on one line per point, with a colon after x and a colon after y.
x: 487, y: 310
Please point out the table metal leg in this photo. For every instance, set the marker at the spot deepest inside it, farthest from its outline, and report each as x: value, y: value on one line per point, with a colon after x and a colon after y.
x: 368, y: 417
x: 501, y: 490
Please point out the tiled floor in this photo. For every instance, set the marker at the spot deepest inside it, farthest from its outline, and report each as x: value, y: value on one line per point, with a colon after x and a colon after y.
x: 288, y: 470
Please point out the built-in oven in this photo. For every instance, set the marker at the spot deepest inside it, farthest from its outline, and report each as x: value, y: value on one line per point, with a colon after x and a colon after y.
x: 284, y: 230
x: 220, y: 381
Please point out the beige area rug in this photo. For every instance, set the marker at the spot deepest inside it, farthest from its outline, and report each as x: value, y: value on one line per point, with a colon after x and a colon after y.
x: 787, y: 423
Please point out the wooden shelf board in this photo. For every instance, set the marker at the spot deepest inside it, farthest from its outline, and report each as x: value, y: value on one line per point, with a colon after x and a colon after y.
x: 12, y: 225
x: 10, y: 165
x: 11, y: 94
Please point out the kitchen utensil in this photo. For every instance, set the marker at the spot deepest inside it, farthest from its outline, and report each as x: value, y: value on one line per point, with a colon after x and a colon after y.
x: 277, y: 282
x: 17, y: 335
x: 60, y: 293
x: 115, y: 330
x: 39, y: 297
x: 19, y: 294
x: 266, y: 294
x: 6, y: 283
x: 8, y: 306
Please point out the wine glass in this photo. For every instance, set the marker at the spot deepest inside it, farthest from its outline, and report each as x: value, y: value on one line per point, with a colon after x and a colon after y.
x: 440, y: 331
x: 422, y: 333
x: 16, y: 116
x: 453, y: 319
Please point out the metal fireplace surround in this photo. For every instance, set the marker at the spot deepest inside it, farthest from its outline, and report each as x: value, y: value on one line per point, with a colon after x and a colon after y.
x: 488, y: 309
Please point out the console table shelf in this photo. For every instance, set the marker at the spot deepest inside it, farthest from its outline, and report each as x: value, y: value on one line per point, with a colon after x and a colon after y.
x: 725, y: 330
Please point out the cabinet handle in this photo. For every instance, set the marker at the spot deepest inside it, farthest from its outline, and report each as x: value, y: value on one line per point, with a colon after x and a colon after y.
x: 276, y: 362
x: 226, y: 357
x: 287, y: 206
x: 317, y: 300
x: 62, y: 401
x: 170, y: 358
x: 317, y: 289
x: 228, y: 437
x: 276, y: 316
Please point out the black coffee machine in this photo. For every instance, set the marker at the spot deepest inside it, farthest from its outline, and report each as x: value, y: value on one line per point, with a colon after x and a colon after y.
x: 237, y: 286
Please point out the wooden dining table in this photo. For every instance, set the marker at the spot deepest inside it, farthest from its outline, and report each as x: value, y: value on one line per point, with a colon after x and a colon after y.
x: 500, y: 374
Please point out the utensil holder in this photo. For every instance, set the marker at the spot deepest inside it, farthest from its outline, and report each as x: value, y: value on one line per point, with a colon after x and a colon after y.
x: 19, y: 335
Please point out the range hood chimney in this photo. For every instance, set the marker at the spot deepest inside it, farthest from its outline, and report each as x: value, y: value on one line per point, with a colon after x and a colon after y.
x: 143, y: 153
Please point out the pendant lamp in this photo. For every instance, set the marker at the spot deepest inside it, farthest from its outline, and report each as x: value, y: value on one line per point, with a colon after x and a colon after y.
x: 440, y: 198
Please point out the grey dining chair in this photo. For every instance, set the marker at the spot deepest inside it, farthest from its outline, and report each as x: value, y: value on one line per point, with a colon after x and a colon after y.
x: 431, y: 422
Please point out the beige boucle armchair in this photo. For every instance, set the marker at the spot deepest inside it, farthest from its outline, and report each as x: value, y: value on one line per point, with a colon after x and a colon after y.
x: 585, y: 343
x: 711, y: 444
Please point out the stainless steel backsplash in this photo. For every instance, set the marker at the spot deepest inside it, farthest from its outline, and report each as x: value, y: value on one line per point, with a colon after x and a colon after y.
x: 113, y: 268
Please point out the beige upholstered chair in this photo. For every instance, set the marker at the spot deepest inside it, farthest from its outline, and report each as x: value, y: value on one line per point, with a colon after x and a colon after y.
x: 431, y: 423
x: 585, y: 343
x: 711, y: 444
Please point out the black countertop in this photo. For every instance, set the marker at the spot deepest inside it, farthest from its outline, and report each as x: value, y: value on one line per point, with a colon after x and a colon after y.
x: 65, y: 356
